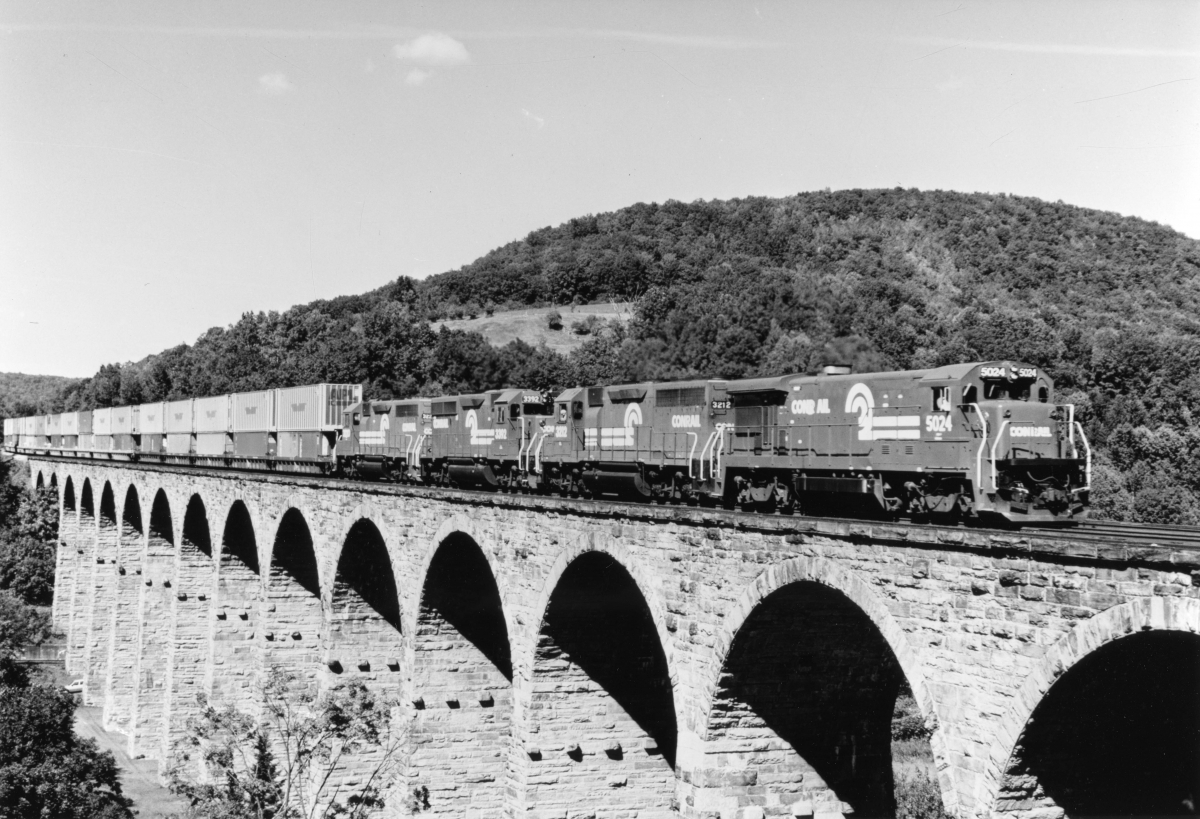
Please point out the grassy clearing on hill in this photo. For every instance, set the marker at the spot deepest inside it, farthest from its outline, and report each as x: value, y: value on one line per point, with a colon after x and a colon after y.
x: 531, y: 325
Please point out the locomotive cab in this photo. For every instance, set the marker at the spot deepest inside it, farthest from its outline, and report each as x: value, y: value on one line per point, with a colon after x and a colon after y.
x: 1033, y: 460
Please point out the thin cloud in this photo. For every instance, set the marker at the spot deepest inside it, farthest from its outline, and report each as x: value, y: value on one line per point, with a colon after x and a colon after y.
x: 417, y: 76
x: 541, y: 121
x: 433, y: 49
x: 276, y: 83
x: 395, y: 32
x: 1050, y: 48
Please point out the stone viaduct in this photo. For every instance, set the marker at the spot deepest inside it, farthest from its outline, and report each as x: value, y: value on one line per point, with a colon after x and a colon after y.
x: 559, y: 658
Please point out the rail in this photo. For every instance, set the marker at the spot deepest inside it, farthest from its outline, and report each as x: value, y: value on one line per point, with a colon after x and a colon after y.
x: 1177, y: 547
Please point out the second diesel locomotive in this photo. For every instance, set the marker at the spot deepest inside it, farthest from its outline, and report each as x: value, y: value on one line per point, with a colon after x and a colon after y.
x: 969, y: 441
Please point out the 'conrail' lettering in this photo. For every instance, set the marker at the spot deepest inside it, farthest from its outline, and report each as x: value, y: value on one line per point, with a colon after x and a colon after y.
x: 1029, y: 432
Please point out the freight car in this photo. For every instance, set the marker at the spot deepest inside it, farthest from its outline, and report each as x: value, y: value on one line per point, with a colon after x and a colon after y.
x: 981, y: 441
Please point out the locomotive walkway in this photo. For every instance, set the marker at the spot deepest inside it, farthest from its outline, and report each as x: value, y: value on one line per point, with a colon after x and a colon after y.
x: 568, y: 658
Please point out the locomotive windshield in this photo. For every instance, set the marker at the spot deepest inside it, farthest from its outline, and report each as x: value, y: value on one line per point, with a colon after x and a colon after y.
x: 999, y: 391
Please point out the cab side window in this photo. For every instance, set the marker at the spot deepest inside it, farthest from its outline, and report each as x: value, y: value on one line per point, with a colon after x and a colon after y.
x: 941, y: 399
x: 970, y: 394
x: 515, y: 411
x: 1043, y: 395
x: 577, y: 410
x: 993, y: 391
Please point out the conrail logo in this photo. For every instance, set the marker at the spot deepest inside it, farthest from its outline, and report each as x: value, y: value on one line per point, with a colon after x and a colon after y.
x: 685, y: 421
x: 1029, y: 432
x: 860, y: 402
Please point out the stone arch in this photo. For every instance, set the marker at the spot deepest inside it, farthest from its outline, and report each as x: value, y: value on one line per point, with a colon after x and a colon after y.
x: 154, y: 629
x: 364, y: 608
x: 1114, y: 632
x: 800, y: 624
x: 191, y: 613
x: 104, y: 581
x: 601, y: 715
x: 293, y: 505
x: 68, y: 495
x: 54, y: 482
x: 295, y: 618
x: 598, y: 542
x: 39, y: 483
x: 123, y: 637
x: 236, y: 663
x: 462, y: 674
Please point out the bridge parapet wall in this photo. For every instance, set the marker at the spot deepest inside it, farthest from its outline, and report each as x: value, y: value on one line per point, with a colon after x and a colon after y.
x: 513, y: 711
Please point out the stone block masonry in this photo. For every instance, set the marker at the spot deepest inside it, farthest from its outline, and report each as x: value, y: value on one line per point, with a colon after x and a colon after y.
x: 554, y: 658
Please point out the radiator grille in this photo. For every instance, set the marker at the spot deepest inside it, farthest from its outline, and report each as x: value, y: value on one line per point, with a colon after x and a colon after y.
x: 680, y: 397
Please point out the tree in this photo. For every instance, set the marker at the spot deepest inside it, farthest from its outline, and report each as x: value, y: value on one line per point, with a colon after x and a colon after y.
x: 20, y: 624
x: 45, y: 769
x: 291, y: 764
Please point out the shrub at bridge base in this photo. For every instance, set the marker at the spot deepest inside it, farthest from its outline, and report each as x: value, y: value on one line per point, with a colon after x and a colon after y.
x: 337, y: 755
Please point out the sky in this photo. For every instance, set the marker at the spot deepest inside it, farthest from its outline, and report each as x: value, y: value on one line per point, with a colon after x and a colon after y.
x: 166, y: 167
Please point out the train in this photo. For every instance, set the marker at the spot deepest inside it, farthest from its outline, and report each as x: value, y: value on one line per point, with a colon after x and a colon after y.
x: 980, y: 442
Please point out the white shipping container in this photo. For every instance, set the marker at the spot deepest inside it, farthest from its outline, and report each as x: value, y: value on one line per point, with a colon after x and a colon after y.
x: 9, y: 426
x: 252, y: 411
x: 315, y: 407
x: 179, y: 416
x: 210, y: 443
x: 70, y: 423
x: 102, y: 422
x: 54, y: 425
x: 39, y: 425
x: 122, y: 420
x: 86, y: 442
x: 179, y: 443
x: 212, y: 414
x: 152, y: 418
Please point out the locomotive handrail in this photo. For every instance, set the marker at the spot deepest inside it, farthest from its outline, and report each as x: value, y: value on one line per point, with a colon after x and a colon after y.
x: 982, y: 444
x: 521, y: 451
x: 710, y: 446
x: 692, y: 452
x: 996, y: 443
x: 1071, y: 424
x: 537, y: 463
x: 1088, y: 465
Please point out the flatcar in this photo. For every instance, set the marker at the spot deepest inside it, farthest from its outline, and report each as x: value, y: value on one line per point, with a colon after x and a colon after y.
x: 983, y: 441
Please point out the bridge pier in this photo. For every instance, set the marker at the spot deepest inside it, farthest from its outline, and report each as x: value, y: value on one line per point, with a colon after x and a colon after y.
x: 121, y: 676
x: 103, y: 598
x: 552, y: 659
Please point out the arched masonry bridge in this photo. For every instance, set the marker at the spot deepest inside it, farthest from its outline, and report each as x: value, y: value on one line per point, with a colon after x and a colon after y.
x: 559, y: 658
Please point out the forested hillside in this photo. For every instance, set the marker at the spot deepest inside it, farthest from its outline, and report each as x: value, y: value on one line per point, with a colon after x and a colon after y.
x: 880, y: 279
x: 22, y: 394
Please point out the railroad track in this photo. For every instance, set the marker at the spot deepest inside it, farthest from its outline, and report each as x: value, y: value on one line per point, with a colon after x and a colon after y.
x: 1162, y: 534
x: 1185, y: 538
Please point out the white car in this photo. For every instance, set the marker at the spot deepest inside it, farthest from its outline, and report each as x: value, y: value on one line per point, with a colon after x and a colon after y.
x: 74, y: 687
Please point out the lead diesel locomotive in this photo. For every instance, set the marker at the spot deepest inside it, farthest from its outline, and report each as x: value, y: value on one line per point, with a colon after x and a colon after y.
x: 977, y: 442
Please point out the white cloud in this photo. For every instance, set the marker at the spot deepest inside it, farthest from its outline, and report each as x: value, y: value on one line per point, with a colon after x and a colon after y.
x: 417, y: 76
x: 276, y: 83
x: 433, y: 49
x: 541, y: 121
